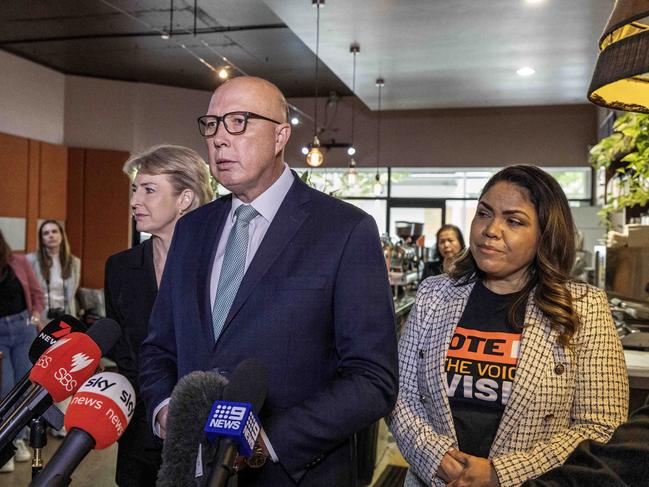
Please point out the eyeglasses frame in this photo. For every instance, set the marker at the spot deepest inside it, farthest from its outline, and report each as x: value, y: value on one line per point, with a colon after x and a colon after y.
x: 221, y: 119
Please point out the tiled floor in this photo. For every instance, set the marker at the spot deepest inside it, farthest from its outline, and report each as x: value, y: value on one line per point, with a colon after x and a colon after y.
x: 98, y: 468
x: 387, y: 452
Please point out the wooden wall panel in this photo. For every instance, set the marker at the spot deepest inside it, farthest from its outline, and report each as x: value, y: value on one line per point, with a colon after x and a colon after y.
x: 53, y: 181
x: 14, y: 155
x: 33, y: 195
x: 74, y: 220
x: 106, y: 212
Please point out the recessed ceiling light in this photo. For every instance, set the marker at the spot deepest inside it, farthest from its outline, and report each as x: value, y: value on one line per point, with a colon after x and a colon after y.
x: 525, y: 71
x: 223, y: 73
x: 534, y: 2
x: 305, y: 150
x: 295, y: 120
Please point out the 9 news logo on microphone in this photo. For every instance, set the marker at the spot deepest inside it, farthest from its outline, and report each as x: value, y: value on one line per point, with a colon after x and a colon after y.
x: 235, y: 420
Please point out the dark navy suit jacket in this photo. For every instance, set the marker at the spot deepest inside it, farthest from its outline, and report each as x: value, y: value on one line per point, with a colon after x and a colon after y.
x: 314, y: 306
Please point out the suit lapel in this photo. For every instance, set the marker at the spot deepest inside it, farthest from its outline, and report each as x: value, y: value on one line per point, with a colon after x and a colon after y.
x: 209, y: 242
x: 537, y: 341
x: 287, y: 221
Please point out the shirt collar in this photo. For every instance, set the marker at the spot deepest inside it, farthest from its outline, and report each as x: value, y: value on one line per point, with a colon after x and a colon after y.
x: 270, y: 200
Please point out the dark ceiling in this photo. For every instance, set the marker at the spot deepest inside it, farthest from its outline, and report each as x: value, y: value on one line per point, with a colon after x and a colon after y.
x: 122, y: 40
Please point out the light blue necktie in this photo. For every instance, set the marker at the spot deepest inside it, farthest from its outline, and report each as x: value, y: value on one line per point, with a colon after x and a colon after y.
x: 232, y: 270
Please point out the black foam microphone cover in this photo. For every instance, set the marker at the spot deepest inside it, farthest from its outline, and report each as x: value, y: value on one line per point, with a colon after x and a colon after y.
x: 105, y: 333
x: 189, y: 408
x: 248, y: 383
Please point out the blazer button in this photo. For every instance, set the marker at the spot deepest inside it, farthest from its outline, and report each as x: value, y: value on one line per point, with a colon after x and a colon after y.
x: 559, y: 369
x: 422, y: 398
x: 421, y: 354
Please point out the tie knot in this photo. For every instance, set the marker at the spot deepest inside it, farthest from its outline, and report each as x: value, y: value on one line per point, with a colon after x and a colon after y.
x: 244, y: 214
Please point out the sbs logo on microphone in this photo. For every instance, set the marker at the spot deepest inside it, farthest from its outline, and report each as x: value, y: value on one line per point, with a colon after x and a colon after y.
x: 79, y: 362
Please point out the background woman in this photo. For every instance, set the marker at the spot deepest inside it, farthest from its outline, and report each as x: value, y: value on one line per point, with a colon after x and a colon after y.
x: 21, y: 303
x: 167, y: 182
x: 449, y: 244
x: 506, y: 364
x: 57, y: 270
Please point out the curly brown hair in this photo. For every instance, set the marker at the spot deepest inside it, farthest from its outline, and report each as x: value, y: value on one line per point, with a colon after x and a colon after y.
x: 549, y: 272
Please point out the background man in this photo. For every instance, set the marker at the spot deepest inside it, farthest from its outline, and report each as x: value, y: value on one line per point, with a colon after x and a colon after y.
x: 285, y: 274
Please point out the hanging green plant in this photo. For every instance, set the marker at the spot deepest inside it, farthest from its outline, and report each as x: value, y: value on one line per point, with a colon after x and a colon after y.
x: 625, y: 156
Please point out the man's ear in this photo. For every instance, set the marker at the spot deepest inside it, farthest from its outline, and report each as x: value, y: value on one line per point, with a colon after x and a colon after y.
x: 282, y: 134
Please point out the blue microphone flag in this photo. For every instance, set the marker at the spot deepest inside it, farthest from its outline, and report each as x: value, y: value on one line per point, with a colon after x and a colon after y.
x: 236, y: 421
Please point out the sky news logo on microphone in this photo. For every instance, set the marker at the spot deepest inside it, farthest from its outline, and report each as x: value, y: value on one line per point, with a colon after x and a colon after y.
x: 235, y: 420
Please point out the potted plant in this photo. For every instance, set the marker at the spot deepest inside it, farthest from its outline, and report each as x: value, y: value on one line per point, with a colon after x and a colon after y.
x: 624, y: 155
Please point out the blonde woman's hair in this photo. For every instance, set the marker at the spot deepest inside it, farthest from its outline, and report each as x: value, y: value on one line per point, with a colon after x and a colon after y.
x: 184, y: 168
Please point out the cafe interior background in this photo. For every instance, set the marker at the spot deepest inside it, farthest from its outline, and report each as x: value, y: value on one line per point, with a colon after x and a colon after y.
x: 412, y: 105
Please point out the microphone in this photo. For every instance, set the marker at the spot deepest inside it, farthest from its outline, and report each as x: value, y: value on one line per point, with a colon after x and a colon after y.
x: 59, y: 372
x: 55, y: 329
x: 97, y: 416
x: 234, y: 419
x: 185, y: 447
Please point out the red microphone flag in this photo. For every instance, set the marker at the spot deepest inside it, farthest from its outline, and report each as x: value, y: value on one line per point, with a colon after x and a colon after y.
x: 63, y: 367
x: 102, y: 407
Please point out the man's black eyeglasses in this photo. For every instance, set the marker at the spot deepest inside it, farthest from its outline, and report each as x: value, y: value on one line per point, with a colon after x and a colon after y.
x: 234, y: 122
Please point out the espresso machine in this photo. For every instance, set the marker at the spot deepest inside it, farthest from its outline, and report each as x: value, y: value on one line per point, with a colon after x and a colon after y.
x: 403, y: 257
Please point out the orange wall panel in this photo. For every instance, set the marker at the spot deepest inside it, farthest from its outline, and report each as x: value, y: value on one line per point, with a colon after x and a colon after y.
x: 106, y: 212
x: 33, y: 195
x: 53, y: 181
x: 14, y: 156
x: 74, y: 220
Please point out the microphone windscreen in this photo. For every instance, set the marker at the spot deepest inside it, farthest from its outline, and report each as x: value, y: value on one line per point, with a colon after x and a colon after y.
x: 248, y: 383
x: 54, y: 331
x: 105, y: 333
x: 189, y: 407
x: 67, y: 364
x: 102, y: 407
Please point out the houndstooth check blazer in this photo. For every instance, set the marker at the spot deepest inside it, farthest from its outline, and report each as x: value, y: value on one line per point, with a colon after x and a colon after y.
x: 559, y: 396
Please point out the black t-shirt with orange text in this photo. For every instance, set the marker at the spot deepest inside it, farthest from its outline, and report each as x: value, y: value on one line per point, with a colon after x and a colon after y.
x: 480, y: 367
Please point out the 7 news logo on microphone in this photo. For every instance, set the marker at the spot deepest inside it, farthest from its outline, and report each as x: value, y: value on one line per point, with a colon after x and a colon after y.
x: 235, y: 420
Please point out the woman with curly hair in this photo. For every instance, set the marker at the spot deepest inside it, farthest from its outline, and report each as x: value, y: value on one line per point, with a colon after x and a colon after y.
x: 506, y: 364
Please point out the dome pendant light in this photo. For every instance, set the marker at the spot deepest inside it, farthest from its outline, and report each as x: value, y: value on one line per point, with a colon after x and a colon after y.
x: 352, y: 177
x: 378, y: 187
x: 314, y: 157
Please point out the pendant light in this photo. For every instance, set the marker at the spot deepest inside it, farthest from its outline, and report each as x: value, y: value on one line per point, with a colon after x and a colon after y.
x: 621, y: 77
x: 314, y: 157
x: 352, y: 176
x: 378, y: 187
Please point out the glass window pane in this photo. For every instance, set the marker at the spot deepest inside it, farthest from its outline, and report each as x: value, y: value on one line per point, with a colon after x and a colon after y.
x: 376, y: 208
x: 575, y: 181
x: 430, y: 217
x: 438, y: 182
x: 335, y: 181
x: 460, y: 213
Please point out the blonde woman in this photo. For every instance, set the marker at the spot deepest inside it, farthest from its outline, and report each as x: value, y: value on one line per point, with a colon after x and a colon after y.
x: 167, y: 182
